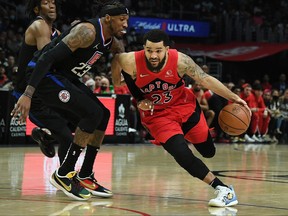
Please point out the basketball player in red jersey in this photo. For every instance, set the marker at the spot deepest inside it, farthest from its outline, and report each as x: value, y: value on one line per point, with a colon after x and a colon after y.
x: 169, y: 111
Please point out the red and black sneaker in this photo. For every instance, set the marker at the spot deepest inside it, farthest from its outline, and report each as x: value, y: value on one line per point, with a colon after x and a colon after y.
x: 91, y: 184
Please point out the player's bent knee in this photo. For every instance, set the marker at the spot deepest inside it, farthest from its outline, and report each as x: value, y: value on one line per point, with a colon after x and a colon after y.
x: 104, y: 122
x: 91, y: 121
x: 209, y: 154
x: 106, y: 115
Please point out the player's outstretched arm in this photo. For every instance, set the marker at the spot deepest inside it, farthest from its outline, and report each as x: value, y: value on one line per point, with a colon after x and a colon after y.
x: 186, y: 65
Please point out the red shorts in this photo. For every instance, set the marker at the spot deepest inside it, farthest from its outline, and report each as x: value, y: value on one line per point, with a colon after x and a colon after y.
x: 164, y: 124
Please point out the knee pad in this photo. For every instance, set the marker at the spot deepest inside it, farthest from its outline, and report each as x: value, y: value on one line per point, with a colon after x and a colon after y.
x: 206, y: 149
x: 183, y: 155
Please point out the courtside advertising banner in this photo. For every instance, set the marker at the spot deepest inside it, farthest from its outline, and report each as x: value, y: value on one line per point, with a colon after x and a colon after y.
x: 182, y: 28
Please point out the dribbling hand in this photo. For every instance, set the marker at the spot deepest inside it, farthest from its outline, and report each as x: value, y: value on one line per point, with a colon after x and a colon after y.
x: 21, y: 109
x: 145, y: 105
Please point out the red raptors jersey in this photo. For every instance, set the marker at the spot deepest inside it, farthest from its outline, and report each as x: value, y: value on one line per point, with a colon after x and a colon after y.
x: 164, y: 88
x: 173, y: 102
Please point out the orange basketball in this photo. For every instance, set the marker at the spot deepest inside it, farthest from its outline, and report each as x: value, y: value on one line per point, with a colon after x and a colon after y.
x: 234, y: 119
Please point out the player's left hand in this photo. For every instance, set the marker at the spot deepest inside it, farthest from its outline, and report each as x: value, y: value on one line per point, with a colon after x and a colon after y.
x: 145, y: 105
x: 22, y: 108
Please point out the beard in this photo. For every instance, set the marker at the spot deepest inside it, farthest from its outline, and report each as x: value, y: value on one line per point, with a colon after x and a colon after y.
x: 119, y: 37
x: 116, y: 35
x: 158, y: 67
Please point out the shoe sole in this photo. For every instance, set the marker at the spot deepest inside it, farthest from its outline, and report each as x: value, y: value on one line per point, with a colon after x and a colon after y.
x: 55, y: 184
x: 235, y: 202
x: 43, y: 147
x: 99, y: 194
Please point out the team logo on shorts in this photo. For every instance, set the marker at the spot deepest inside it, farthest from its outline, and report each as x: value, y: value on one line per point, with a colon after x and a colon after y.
x: 64, y: 96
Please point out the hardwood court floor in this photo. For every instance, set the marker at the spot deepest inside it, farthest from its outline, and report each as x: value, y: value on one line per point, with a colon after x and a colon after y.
x: 146, y: 181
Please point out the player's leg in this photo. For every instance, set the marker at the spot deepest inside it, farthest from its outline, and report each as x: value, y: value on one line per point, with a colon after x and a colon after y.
x: 183, y: 155
x: 61, y: 94
x: 41, y: 136
x: 86, y: 173
x: 196, y: 131
x: 44, y: 117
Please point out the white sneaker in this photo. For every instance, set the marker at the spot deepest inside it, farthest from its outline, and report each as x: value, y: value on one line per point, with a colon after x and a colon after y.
x: 266, y: 138
x: 235, y: 139
x: 254, y: 137
x: 132, y: 130
x: 225, y: 197
x: 248, y: 139
x: 274, y: 140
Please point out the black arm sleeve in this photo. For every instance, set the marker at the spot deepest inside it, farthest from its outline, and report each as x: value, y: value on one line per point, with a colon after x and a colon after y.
x: 25, y: 55
x: 57, y: 54
x: 134, y: 90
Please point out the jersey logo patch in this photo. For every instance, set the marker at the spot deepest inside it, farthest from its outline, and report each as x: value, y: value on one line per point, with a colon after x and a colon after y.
x: 169, y: 73
x: 64, y: 96
x: 97, y: 55
x: 96, y: 46
x: 143, y: 75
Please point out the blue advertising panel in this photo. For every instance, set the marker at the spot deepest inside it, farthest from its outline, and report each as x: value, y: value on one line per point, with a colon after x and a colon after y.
x: 172, y: 27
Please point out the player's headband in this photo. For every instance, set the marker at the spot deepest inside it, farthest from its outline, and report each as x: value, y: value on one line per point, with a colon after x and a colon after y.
x: 113, y: 10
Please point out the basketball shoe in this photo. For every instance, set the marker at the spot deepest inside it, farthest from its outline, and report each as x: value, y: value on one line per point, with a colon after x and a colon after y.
x: 225, y: 197
x: 46, y: 145
x: 91, y: 184
x: 70, y: 185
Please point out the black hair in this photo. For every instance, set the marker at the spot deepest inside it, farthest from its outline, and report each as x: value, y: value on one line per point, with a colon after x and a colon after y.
x: 155, y: 36
x: 257, y: 86
x: 112, y: 8
x: 31, y: 4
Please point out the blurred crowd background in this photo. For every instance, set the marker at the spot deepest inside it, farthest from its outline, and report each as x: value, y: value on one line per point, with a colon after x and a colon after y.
x: 230, y: 20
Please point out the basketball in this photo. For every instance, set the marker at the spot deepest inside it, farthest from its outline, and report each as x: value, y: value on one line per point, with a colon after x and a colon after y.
x: 234, y: 119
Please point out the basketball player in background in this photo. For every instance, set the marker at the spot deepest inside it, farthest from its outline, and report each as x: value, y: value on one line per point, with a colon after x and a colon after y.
x: 170, y: 112
x: 39, y: 33
x: 62, y: 89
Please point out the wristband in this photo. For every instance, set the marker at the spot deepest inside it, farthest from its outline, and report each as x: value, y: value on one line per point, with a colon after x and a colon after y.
x: 27, y: 95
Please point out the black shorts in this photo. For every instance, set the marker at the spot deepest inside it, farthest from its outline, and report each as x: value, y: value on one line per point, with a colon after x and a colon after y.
x: 45, y: 117
x: 72, y: 99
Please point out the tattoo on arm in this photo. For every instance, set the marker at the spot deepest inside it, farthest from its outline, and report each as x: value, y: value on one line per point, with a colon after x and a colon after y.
x: 79, y: 37
x: 117, y: 47
x: 188, y: 66
x: 29, y: 91
x: 201, y: 73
